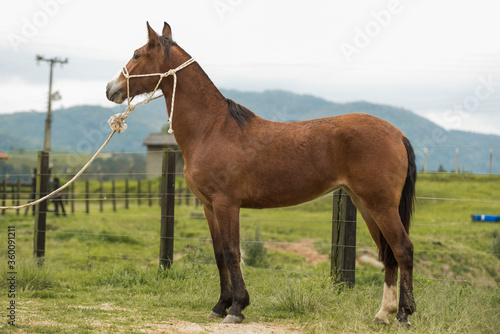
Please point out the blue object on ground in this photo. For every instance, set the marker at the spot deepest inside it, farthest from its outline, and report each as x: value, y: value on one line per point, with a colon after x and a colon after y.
x: 485, y: 218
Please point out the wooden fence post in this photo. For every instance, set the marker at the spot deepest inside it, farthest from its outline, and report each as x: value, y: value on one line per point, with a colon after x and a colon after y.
x: 150, y: 195
x: 343, y: 258
x: 18, y: 197
x: 13, y: 193
x: 4, y: 194
x: 167, y: 193
x: 42, y: 189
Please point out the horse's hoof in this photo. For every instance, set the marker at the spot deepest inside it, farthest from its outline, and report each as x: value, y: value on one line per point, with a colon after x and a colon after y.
x: 381, y: 321
x: 214, y: 315
x: 232, y: 319
x: 403, y: 323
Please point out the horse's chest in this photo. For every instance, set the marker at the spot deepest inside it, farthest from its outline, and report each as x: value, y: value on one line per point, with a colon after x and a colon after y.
x: 192, y: 184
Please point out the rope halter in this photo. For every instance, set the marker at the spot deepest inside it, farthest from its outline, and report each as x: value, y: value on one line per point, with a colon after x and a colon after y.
x: 117, y: 121
x: 118, y: 124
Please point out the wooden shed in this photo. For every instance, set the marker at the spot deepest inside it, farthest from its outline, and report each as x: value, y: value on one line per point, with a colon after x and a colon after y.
x: 155, y: 143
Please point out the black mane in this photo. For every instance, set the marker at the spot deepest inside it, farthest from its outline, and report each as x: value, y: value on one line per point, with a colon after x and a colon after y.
x: 241, y: 114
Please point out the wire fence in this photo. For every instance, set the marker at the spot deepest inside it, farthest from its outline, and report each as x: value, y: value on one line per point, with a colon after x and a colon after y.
x: 95, y: 199
x: 432, y: 158
x: 302, y: 271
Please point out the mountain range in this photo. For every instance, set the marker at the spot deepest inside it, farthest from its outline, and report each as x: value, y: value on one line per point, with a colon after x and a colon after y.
x: 83, y: 129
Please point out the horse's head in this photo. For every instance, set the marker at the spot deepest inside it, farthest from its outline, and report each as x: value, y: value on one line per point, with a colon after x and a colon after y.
x: 149, y: 59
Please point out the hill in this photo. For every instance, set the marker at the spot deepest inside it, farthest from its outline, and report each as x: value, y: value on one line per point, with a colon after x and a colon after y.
x: 82, y: 129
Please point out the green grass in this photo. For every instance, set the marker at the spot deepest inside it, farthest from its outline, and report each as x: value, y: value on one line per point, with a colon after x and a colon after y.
x: 101, y: 270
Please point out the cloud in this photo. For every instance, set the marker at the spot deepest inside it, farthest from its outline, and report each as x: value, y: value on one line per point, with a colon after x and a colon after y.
x: 20, y: 95
x: 450, y: 120
x: 417, y: 61
x: 26, y: 96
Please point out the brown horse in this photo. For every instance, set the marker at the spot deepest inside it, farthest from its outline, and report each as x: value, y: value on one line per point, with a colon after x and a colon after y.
x: 235, y: 159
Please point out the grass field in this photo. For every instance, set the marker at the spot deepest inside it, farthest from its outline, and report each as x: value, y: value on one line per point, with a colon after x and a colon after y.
x: 101, y: 270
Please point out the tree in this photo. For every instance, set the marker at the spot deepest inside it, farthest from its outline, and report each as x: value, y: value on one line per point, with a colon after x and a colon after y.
x: 441, y: 169
x: 165, y: 127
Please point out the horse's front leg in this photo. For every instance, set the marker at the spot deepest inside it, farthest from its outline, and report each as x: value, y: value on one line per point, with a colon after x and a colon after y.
x: 227, y: 217
x: 226, y: 290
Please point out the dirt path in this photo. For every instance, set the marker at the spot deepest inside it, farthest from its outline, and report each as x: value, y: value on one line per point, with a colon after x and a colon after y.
x: 304, y: 248
x: 185, y: 327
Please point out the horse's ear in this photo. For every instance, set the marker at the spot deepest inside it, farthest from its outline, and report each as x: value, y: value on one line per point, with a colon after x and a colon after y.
x: 167, y: 31
x: 152, y: 36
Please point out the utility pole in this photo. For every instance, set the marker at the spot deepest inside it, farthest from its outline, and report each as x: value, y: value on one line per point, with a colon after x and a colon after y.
x: 55, y: 96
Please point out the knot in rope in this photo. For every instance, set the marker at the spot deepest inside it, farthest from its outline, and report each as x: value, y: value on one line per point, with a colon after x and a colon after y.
x: 117, y: 122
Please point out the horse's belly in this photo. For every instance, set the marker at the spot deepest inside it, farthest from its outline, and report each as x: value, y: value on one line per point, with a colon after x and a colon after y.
x: 287, y: 194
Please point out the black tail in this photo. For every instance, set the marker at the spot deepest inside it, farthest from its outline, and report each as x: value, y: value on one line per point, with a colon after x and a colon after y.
x: 406, y: 204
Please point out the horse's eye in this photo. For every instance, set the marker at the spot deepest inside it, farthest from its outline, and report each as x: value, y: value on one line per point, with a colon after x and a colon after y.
x: 136, y: 56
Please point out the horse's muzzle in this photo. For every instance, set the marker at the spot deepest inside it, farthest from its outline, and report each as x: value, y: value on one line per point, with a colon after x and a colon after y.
x: 114, y: 92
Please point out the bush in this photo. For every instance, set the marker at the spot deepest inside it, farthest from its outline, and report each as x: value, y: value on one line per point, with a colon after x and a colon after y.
x: 302, y: 296
x: 255, y: 252
x: 29, y: 276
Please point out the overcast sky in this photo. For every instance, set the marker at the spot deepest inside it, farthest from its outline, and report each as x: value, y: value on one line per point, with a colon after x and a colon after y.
x: 440, y: 59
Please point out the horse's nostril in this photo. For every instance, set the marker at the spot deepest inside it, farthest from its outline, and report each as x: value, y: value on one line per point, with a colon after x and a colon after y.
x: 110, y: 95
x: 113, y: 92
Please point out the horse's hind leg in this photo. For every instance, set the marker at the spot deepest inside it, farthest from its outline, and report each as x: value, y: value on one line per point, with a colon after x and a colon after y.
x: 226, y: 291
x: 390, y: 296
x: 400, y: 247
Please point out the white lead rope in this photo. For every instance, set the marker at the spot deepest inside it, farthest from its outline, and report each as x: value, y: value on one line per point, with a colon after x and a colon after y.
x: 117, y: 124
x: 67, y: 183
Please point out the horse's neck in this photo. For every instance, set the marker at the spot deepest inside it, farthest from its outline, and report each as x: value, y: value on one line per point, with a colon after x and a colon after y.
x: 198, y: 107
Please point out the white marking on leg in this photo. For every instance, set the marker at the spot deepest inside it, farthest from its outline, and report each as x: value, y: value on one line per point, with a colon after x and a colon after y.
x: 389, y: 304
